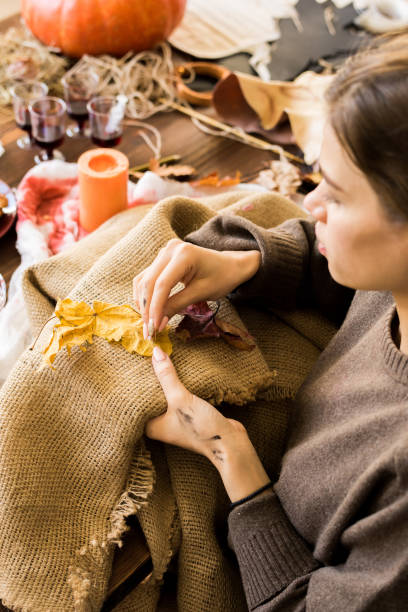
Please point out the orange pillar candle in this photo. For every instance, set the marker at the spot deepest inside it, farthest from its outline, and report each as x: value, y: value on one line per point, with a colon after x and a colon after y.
x: 103, y: 179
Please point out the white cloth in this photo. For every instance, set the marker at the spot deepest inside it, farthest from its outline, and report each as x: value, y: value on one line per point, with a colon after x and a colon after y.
x: 211, y: 29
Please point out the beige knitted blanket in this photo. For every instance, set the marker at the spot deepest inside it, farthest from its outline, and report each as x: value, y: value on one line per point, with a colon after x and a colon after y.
x: 73, y: 459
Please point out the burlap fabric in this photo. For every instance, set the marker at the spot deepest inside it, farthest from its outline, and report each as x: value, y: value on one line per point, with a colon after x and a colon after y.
x: 73, y: 460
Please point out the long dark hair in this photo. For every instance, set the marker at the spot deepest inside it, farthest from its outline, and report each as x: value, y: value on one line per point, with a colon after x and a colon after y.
x: 368, y: 110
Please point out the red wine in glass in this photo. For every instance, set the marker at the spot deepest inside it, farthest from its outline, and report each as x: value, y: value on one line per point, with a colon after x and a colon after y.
x: 76, y: 109
x: 79, y: 87
x: 105, y: 118
x: 22, y: 95
x: 49, y: 145
x: 107, y: 142
x: 26, y: 127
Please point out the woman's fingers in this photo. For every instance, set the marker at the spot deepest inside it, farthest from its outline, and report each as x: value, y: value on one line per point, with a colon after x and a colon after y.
x: 144, y: 283
x: 205, y: 274
x: 173, y: 388
x: 174, y: 264
x: 176, y: 271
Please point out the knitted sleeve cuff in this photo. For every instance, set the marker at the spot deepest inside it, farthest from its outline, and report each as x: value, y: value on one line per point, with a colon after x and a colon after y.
x: 279, y: 275
x: 270, y: 552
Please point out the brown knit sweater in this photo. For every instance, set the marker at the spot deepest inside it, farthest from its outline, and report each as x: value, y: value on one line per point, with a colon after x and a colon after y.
x: 332, y: 534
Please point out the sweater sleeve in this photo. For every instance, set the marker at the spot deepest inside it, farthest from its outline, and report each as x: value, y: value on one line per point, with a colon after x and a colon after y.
x: 292, y: 272
x: 280, y: 573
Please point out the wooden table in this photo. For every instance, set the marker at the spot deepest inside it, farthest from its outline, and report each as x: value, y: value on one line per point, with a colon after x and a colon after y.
x: 206, y: 153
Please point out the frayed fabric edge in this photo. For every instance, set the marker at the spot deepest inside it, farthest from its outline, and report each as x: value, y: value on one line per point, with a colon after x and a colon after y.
x: 244, y: 396
x: 157, y: 575
x: 155, y: 579
x: 91, y: 557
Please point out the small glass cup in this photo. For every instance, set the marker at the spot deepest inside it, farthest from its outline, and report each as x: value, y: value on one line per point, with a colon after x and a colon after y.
x: 105, y: 117
x: 48, y: 127
x: 23, y: 94
x: 79, y: 87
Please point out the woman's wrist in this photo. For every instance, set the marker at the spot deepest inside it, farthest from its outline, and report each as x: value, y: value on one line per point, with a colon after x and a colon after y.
x: 238, y: 464
x: 245, y: 264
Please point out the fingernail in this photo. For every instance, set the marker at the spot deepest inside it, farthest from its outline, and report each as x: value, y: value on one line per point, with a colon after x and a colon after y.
x: 145, y: 334
x: 158, y: 354
x: 164, y: 322
x: 151, y: 327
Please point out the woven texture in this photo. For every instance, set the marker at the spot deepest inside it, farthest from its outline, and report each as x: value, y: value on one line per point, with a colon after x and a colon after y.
x: 73, y: 460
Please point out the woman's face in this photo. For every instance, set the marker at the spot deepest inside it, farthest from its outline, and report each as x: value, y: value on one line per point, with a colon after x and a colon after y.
x: 364, y: 249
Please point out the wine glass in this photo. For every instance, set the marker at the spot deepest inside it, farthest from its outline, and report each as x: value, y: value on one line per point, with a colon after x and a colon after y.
x: 48, y: 127
x: 23, y: 94
x: 79, y: 87
x: 105, y: 117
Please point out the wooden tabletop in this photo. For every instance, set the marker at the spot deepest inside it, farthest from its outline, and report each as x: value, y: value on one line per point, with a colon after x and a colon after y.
x: 205, y: 152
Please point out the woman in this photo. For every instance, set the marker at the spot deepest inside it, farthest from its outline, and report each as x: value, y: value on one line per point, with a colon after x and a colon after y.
x: 332, y: 532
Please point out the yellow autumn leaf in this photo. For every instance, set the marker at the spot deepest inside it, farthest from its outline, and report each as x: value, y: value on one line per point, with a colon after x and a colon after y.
x: 78, y: 323
x: 134, y: 342
x: 111, y: 321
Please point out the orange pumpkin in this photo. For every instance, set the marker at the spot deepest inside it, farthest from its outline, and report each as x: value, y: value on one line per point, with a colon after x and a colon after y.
x: 107, y: 26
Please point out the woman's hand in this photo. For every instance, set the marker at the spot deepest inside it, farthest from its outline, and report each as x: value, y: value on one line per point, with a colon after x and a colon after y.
x: 194, y: 424
x: 206, y: 275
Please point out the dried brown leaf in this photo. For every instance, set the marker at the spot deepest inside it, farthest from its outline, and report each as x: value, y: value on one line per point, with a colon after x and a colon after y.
x: 200, y: 321
x: 235, y: 335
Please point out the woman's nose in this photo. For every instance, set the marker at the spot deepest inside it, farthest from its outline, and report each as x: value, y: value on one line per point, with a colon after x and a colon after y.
x: 314, y: 203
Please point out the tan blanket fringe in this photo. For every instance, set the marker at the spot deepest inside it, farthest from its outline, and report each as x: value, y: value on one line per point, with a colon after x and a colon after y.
x: 90, y: 557
x: 72, y: 461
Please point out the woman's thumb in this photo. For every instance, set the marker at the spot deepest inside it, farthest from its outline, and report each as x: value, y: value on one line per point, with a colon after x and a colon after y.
x: 167, y: 375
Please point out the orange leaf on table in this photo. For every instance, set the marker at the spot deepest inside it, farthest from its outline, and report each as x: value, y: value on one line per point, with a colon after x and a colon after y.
x: 214, y: 180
